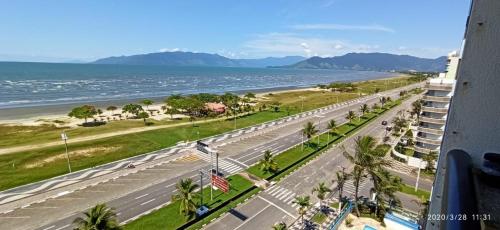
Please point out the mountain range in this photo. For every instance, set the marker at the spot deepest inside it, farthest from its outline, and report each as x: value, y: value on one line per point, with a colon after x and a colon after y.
x: 373, y: 62
x: 350, y: 61
x: 179, y: 58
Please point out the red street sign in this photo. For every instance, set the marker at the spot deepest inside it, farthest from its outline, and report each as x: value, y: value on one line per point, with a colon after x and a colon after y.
x: 220, y: 182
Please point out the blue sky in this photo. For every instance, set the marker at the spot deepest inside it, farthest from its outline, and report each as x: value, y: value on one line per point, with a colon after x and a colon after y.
x: 51, y: 30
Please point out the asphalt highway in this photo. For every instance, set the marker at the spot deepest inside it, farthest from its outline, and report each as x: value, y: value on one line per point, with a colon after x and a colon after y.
x: 275, y: 204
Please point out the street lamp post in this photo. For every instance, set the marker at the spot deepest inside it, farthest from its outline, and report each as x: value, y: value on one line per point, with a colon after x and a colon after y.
x: 201, y: 188
x: 418, y: 176
x: 64, y: 137
x: 319, y: 126
x: 302, y: 100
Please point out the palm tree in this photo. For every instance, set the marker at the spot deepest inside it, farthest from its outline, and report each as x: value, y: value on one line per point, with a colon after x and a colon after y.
x: 321, y: 191
x: 342, y: 177
x: 430, y: 158
x: 364, y: 109
x: 267, y: 163
x: 303, y: 203
x: 186, y: 196
x: 100, y: 217
x: 364, y: 152
x: 280, y: 226
x: 383, y: 100
x: 417, y: 108
x: 385, y: 186
x: 332, y: 126
x: 309, y: 130
x: 350, y: 116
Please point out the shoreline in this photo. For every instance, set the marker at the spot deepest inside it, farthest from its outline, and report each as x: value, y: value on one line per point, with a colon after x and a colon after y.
x: 46, y: 114
x: 36, y: 115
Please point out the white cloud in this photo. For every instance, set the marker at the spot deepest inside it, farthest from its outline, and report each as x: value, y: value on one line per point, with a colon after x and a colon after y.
x: 169, y: 50
x: 283, y: 44
x: 374, y: 27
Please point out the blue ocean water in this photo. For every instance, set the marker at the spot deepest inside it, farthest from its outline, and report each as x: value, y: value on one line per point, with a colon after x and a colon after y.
x: 35, y: 84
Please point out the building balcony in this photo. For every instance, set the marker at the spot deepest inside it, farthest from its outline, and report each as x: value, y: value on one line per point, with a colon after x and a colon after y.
x: 427, y: 140
x: 431, y: 130
x: 441, y: 87
x: 434, y: 109
x: 424, y: 150
x: 437, y: 99
x: 439, y: 121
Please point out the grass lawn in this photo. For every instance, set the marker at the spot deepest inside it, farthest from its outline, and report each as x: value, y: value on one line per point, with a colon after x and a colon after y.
x: 408, y: 189
x: 319, y: 217
x: 169, y: 217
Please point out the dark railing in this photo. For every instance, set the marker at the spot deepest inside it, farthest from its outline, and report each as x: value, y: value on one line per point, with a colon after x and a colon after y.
x: 458, y: 196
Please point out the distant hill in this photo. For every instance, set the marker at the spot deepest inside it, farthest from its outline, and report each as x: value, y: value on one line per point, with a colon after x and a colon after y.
x: 373, y: 62
x: 270, y: 61
x: 196, y: 59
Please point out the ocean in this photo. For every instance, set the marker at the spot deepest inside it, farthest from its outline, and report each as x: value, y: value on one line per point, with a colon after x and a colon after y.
x: 43, y: 84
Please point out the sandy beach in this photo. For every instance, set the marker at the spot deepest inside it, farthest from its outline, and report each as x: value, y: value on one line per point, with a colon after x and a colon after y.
x: 57, y: 114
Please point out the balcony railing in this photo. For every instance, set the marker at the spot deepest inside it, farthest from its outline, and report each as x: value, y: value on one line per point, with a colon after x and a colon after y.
x: 439, y: 121
x: 424, y: 150
x: 434, y: 109
x: 431, y: 130
x: 437, y: 99
x: 428, y: 140
x: 443, y: 87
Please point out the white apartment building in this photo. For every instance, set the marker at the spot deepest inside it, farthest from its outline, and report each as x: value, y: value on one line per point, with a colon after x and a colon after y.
x: 435, y: 108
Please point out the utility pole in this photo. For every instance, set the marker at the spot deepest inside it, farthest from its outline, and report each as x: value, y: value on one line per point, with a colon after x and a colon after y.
x: 217, y: 163
x: 64, y: 137
x: 302, y: 135
x: 201, y: 188
x: 211, y: 174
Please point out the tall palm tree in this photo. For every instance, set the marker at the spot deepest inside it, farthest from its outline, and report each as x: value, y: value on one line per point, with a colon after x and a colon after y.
x: 417, y: 108
x: 362, y: 159
x: 280, y: 226
x: 309, y: 130
x: 321, y: 191
x: 383, y: 100
x: 350, y: 116
x: 364, y: 109
x: 332, y: 126
x: 100, y: 217
x: 385, y: 186
x: 303, y: 203
x: 267, y: 163
x: 342, y: 177
x: 358, y: 176
x: 186, y: 196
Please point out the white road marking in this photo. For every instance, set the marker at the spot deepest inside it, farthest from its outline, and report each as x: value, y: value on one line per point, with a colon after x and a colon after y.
x: 149, y: 201
x: 273, y: 204
x: 65, y: 226
x: 50, y: 227
x: 141, y: 196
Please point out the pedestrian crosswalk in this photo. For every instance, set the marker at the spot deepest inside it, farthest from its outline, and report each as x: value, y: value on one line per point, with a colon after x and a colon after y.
x: 349, y: 188
x: 224, y: 165
x: 285, y: 195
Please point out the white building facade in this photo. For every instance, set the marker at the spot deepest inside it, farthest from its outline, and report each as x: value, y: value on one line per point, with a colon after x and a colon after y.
x: 436, y: 102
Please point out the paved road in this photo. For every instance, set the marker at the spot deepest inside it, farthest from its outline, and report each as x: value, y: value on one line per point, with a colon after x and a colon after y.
x: 144, y: 190
x: 275, y: 204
